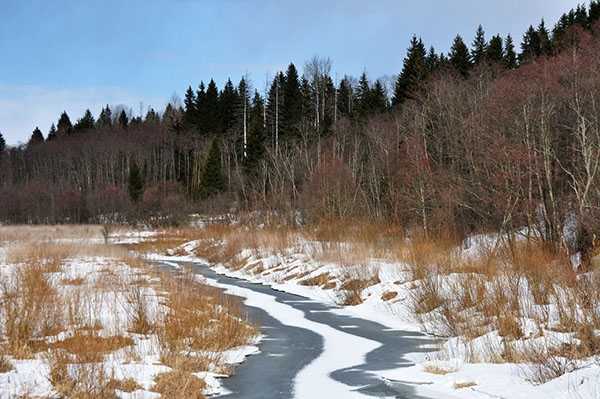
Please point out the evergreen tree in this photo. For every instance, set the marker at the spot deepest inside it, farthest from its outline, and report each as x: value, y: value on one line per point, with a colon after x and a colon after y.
x: 291, y: 112
x: 413, y: 72
x: 135, y: 183
x: 581, y: 16
x: 344, y: 97
x: 200, y: 108
x: 212, y: 180
x: 105, y: 118
x: 123, y: 120
x: 479, y: 47
x: 256, y: 137
x: 51, y: 133
x: 36, y: 138
x: 2, y: 144
x: 152, y: 117
x: 64, y: 126
x: 363, y: 96
x: 432, y: 61
x: 87, y: 122
x: 459, y: 57
x: 190, y: 113
x: 212, y: 122
x: 379, y: 101
x: 544, y: 39
x: 274, y: 107
x: 510, y: 55
x: 495, y: 50
x: 229, y: 103
x: 530, y: 47
x: 593, y: 13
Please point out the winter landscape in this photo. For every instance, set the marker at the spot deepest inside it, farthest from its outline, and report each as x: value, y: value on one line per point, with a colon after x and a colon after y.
x: 353, y: 199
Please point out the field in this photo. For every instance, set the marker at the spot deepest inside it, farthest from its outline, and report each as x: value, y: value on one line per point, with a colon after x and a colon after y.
x: 81, y: 317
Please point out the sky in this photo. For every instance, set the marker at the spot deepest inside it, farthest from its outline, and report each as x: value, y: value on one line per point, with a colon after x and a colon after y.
x: 72, y: 54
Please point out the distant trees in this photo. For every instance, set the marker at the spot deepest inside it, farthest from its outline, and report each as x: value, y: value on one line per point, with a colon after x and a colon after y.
x: 482, y: 138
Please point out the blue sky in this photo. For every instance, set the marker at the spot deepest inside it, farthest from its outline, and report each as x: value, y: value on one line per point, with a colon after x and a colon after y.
x: 78, y: 54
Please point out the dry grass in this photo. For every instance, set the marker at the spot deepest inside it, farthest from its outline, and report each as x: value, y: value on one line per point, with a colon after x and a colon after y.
x: 439, y: 369
x: 89, y: 347
x: 179, y: 385
x: 463, y: 385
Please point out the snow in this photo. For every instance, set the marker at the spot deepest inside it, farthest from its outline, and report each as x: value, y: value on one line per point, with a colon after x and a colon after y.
x: 286, y: 270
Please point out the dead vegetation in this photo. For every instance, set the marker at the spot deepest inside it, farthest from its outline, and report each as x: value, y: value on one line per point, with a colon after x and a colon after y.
x: 50, y: 310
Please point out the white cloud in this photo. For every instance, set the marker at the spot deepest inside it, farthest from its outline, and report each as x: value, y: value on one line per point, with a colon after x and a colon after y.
x: 22, y: 108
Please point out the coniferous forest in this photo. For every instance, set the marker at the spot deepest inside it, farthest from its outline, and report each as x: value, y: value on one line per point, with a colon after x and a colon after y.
x: 498, y: 133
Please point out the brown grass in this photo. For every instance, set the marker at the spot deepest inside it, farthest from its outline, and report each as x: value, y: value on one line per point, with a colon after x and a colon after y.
x: 179, y: 385
x: 89, y: 347
x: 463, y: 385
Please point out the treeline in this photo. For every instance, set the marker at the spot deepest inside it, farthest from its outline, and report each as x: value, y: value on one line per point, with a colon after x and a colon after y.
x: 484, y: 137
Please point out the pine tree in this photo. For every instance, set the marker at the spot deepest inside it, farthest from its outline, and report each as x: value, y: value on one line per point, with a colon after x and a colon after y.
x: 87, y: 122
x: 212, y: 181
x: 274, y: 108
x: 256, y: 137
x: 229, y: 103
x: 432, y: 61
x: 581, y: 16
x: 344, y: 97
x: 495, y: 50
x: 212, y: 122
x: 544, y: 39
x: 135, y: 183
x: 51, y: 133
x: 379, y: 101
x: 190, y: 113
x: 510, y: 55
x: 2, y: 144
x: 105, y: 118
x: 363, y: 96
x: 200, y: 108
x: 291, y: 112
x: 64, y: 126
x: 413, y: 72
x: 479, y: 47
x: 530, y: 47
x: 459, y: 57
x: 36, y: 138
x: 242, y: 112
x: 123, y: 120
x: 152, y: 117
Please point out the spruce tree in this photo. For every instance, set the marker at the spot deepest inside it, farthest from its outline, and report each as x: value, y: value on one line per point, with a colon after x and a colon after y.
x: 152, y: 117
x: 2, y: 144
x: 291, y: 112
x: 274, y: 107
x: 413, y: 72
x: 256, y: 137
x: 544, y: 39
x: 200, y: 108
x: 379, y: 101
x: 344, y: 97
x: 459, y: 57
x: 530, y: 47
x: 479, y: 47
x: 105, y: 118
x: 64, y: 126
x: 190, y: 112
x: 212, y: 120
x: 36, y: 138
x: 51, y: 133
x: 432, y: 61
x: 212, y: 181
x: 495, y: 50
x: 229, y: 104
x: 87, y: 122
x: 363, y: 96
x: 593, y: 13
x: 510, y: 55
x: 123, y: 120
x: 135, y: 183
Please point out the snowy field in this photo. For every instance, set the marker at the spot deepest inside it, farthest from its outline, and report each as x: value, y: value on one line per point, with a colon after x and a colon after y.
x: 83, y: 319
x: 458, y: 368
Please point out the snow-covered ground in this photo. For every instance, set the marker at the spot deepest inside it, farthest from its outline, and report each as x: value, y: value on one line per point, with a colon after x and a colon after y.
x: 441, y: 373
x: 96, y: 289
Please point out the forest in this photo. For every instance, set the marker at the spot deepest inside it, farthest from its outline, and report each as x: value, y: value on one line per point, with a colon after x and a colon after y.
x: 492, y: 136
